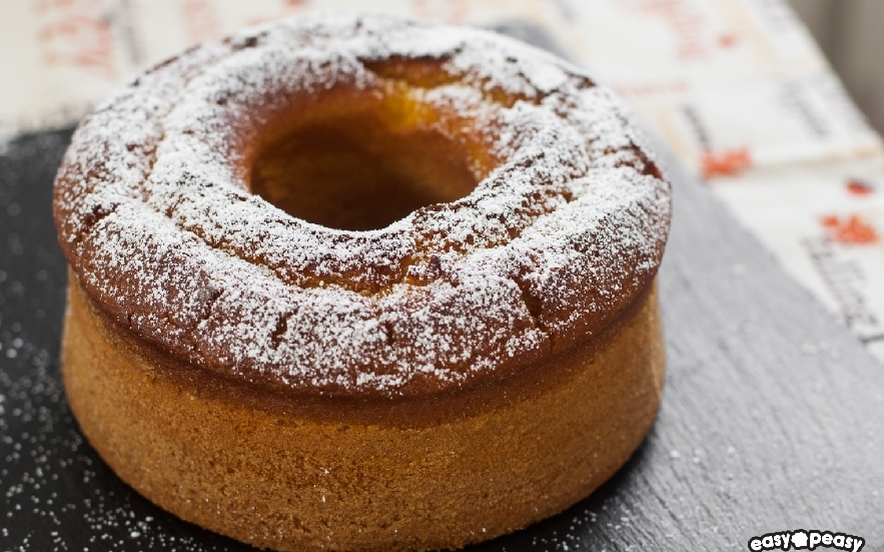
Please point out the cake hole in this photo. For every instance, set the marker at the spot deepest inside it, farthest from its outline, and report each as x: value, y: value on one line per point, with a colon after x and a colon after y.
x: 359, y: 172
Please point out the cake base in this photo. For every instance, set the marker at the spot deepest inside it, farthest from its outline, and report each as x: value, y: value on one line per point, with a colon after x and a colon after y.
x: 300, y: 473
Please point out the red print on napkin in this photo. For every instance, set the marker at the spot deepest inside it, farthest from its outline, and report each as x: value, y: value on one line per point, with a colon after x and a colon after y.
x: 76, y: 34
x: 726, y: 163
x: 727, y: 40
x: 859, y: 188
x: 850, y: 230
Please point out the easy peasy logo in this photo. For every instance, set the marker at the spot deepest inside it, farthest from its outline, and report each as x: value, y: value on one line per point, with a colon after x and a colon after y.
x: 806, y: 540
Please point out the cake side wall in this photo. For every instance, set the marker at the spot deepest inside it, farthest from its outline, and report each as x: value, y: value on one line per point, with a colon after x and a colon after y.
x: 280, y: 480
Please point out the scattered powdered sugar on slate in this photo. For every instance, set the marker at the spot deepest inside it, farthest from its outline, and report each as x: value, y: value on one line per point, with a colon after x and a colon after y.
x: 56, y: 494
x: 554, y: 242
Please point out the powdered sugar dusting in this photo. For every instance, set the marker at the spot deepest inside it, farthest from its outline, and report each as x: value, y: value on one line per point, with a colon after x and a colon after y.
x: 156, y: 218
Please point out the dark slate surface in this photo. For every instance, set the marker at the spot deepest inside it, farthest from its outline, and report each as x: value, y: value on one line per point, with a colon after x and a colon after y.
x: 772, y: 418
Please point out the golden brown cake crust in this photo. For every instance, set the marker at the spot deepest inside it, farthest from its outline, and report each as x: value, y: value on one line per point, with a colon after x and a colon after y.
x: 159, y: 216
x: 284, y: 474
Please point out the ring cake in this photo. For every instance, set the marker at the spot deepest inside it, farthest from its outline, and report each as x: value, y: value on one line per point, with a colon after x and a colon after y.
x: 357, y: 283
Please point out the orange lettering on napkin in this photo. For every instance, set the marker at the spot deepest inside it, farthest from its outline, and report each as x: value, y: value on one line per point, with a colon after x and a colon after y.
x: 76, y: 33
x: 727, y: 40
x: 850, y: 230
x: 859, y: 188
x: 727, y: 163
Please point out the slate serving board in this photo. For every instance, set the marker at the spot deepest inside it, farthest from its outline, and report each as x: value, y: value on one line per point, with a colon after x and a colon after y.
x: 772, y: 416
